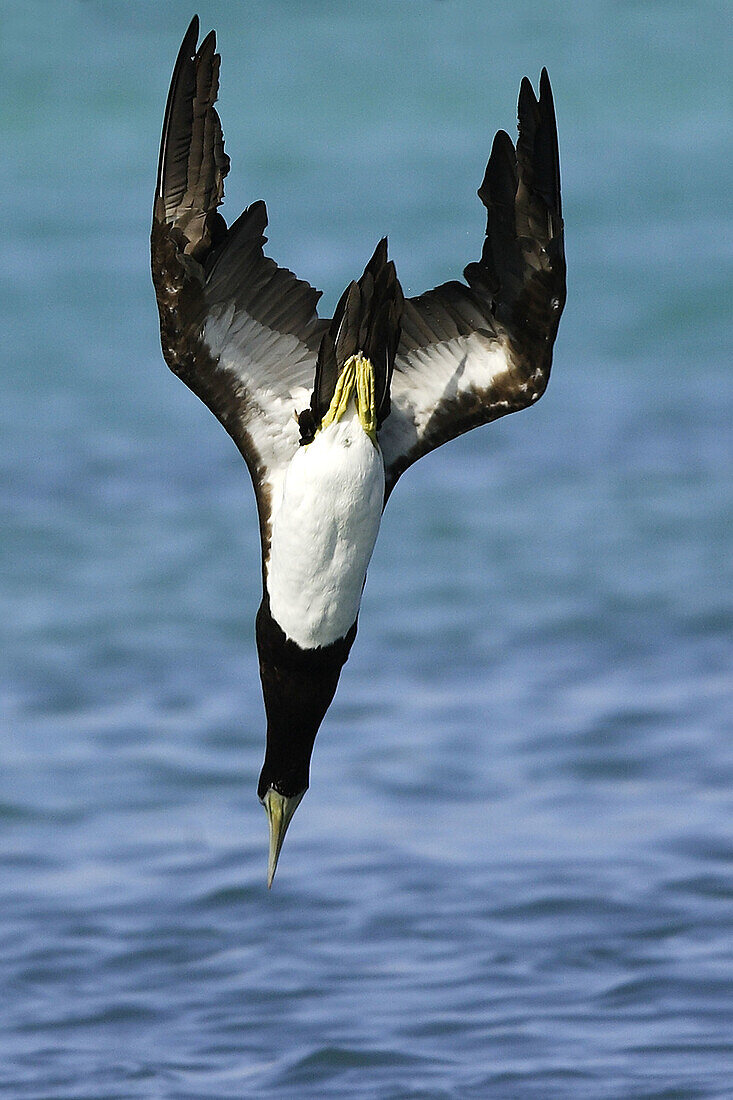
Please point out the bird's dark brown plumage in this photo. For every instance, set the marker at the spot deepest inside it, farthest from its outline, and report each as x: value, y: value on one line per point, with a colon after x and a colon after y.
x: 245, y: 336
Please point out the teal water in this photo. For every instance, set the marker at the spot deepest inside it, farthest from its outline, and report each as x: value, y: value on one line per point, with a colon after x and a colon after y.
x: 513, y: 874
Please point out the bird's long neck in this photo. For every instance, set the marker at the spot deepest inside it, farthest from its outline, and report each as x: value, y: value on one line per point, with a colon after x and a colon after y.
x: 298, y: 686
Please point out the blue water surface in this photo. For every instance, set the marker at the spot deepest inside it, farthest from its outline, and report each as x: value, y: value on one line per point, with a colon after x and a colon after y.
x: 513, y: 874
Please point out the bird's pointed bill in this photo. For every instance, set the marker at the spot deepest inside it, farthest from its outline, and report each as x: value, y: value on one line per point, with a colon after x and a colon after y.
x: 279, y: 811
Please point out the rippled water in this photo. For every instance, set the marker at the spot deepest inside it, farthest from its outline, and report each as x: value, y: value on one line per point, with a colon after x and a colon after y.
x: 513, y: 874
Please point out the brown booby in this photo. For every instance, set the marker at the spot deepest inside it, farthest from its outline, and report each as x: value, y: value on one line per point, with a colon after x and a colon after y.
x: 328, y: 414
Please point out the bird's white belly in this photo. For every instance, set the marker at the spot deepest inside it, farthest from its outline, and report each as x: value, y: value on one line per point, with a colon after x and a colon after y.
x: 323, y: 533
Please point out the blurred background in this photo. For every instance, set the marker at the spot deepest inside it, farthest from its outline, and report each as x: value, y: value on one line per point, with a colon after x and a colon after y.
x: 513, y: 873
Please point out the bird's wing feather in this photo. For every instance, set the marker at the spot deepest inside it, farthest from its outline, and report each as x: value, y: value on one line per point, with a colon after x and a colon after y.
x: 472, y: 353
x: 240, y: 331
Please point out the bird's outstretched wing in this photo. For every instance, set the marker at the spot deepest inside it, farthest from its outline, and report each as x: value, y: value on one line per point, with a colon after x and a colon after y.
x: 472, y: 353
x: 240, y: 331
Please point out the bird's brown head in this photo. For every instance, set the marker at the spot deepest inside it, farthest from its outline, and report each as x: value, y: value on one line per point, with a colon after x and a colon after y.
x: 298, y: 686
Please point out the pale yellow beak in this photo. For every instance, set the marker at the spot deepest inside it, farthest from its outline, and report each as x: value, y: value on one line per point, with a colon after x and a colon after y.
x: 279, y: 813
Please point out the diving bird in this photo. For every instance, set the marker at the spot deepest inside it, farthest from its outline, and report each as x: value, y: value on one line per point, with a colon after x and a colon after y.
x: 328, y: 413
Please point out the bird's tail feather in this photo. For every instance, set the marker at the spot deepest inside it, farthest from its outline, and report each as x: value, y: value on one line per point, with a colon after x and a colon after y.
x: 367, y: 322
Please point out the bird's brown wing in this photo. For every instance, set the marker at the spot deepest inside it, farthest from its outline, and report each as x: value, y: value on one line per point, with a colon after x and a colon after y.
x: 240, y: 331
x: 472, y: 353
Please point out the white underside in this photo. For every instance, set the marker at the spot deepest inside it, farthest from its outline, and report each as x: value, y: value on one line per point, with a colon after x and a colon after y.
x: 323, y: 532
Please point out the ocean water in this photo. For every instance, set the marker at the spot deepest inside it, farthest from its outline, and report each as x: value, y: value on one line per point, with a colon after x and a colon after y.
x: 512, y: 876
